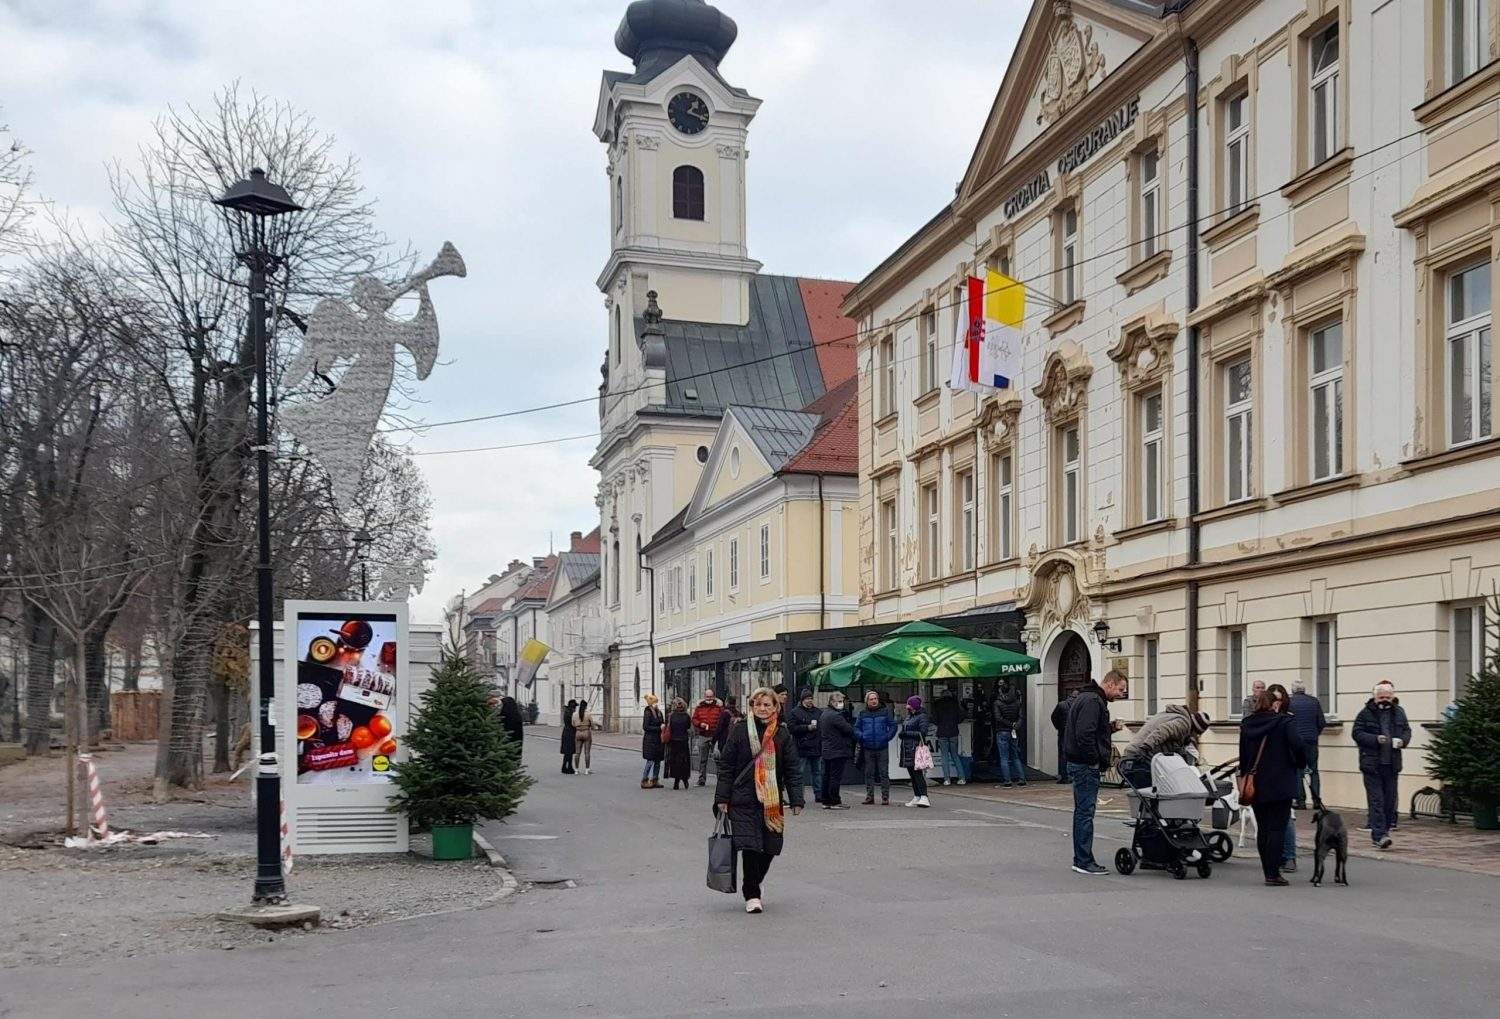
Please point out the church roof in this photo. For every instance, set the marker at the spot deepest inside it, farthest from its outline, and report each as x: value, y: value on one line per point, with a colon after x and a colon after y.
x: 657, y: 34
x: 778, y: 434
x: 579, y: 567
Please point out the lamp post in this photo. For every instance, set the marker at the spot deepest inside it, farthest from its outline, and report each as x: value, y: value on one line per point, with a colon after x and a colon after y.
x: 1101, y: 634
x: 254, y: 201
x: 362, y: 542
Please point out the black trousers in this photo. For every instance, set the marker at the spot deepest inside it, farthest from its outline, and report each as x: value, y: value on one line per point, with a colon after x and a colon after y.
x: 1271, y: 820
x: 753, y: 871
x: 833, y: 780
x: 567, y: 764
x: 918, y: 782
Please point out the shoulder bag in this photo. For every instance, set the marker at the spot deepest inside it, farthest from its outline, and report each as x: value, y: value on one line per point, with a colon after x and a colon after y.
x: 1246, y: 781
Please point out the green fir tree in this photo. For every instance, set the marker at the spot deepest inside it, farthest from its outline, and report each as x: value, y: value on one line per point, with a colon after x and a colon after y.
x: 1465, y: 752
x: 463, y: 766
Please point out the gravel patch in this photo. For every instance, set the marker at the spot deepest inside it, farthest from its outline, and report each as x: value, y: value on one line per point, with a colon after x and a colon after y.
x: 64, y: 907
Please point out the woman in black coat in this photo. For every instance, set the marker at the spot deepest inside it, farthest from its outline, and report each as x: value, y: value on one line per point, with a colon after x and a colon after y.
x: 1271, y: 748
x: 755, y: 801
x: 569, y: 738
x: 914, y: 734
x: 679, y: 732
x: 651, y: 743
x: 510, y: 718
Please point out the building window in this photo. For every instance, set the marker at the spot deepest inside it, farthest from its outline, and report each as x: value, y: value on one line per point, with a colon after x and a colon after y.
x: 1148, y: 165
x: 1467, y: 658
x: 1323, y: 83
x: 693, y: 582
x: 929, y: 351
x: 619, y: 204
x: 619, y: 333
x: 963, y: 491
x: 1467, y: 343
x: 1066, y: 225
x: 765, y: 551
x: 1237, y: 152
x: 1468, y: 33
x: 1235, y: 667
x: 734, y: 564
x: 708, y: 573
x: 999, y: 262
x: 1153, y: 692
x: 638, y: 570
x: 614, y: 572
x: 931, y: 560
x: 1238, y: 419
x: 687, y: 193
x: 1002, y: 483
x: 1072, y: 484
x: 1152, y: 457
x: 890, y: 546
x: 1325, y: 386
x: 887, y: 376
x: 677, y: 588
x: 1325, y: 685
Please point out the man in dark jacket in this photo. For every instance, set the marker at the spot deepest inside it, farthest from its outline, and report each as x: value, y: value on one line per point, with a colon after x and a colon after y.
x: 1307, y: 716
x: 1060, y: 722
x: 837, y: 737
x: 1381, y: 730
x: 1007, y: 713
x: 947, y: 713
x: 1086, y: 745
x: 803, y: 722
x: 875, y: 728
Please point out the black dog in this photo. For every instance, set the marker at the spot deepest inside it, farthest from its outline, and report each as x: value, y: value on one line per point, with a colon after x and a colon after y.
x: 1330, y: 835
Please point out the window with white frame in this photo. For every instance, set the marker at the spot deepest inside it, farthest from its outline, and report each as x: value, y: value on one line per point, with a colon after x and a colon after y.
x: 963, y: 490
x: 1238, y: 421
x: 887, y: 376
x: 708, y: 573
x: 734, y: 564
x: 692, y: 582
x: 929, y: 351
x: 1323, y: 85
x: 1467, y: 657
x: 1234, y: 666
x: 1325, y: 391
x: 1467, y: 354
x: 765, y: 551
x: 931, y: 554
x: 677, y: 587
x: 1072, y: 484
x: 1468, y: 37
x: 890, y: 547
x: 1153, y: 455
x: 1325, y: 662
x: 1067, y: 257
x: 1152, y: 664
x: 1002, y: 482
x: 1237, y: 153
x: 1148, y: 163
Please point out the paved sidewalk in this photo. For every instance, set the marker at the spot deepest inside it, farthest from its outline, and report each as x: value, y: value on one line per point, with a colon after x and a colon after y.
x: 1423, y: 840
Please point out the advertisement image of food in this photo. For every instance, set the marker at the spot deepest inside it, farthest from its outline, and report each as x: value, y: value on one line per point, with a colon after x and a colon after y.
x: 346, y: 698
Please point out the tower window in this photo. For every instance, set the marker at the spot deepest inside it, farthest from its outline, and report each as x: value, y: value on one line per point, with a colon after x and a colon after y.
x: 687, y: 193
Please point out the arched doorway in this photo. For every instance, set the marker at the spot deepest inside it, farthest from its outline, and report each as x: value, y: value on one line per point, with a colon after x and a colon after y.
x: 1074, y: 667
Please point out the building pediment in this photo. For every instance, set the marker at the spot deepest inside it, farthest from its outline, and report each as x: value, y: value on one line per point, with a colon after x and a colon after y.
x: 1065, y: 381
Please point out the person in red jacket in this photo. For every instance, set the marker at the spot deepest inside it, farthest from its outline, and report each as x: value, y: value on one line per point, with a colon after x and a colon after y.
x: 705, y: 727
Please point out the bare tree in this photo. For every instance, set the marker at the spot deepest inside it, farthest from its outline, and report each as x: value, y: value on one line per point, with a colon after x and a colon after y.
x: 15, y: 191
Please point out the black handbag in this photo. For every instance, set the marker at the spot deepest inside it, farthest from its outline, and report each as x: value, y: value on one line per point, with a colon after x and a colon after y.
x: 721, y: 860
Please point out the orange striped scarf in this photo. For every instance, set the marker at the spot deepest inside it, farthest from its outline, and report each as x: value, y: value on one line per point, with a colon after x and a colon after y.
x: 763, y: 748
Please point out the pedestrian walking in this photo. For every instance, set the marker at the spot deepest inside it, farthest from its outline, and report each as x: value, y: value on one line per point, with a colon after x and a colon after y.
x: 1060, y: 723
x: 1271, y: 750
x: 727, y: 718
x: 759, y: 776
x: 653, y: 748
x: 705, y: 727
x: 569, y: 744
x: 837, y: 735
x: 679, y: 733
x: 1381, y: 730
x: 1170, y: 731
x: 803, y: 723
x: 1307, y: 715
x: 510, y: 719
x: 913, y: 735
x: 875, y: 728
x: 1086, y: 746
x: 947, y: 713
x: 1008, y: 722
x: 782, y: 696
x: 583, y: 724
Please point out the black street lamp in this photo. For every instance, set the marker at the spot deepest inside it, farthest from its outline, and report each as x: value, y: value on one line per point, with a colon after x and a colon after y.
x: 362, y: 543
x: 253, y: 201
x: 1101, y: 634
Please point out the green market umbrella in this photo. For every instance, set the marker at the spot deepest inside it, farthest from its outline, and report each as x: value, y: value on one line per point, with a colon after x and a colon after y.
x: 919, y: 651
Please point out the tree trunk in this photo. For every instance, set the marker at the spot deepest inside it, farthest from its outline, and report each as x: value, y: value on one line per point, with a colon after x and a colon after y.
x: 222, y: 741
x: 180, y: 758
x: 132, y: 676
x: 98, y: 681
x: 41, y: 634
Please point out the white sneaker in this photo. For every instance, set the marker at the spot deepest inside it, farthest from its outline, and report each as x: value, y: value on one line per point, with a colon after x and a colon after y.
x: 915, y: 801
x: 962, y: 782
x: 752, y: 906
x: 923, y: 801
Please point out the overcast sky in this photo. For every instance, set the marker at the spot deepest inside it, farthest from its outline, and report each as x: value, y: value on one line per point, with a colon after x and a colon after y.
x: 472, y: 122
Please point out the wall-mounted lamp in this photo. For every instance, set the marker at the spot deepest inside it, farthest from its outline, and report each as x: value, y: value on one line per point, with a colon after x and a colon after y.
x: 1101, y: 634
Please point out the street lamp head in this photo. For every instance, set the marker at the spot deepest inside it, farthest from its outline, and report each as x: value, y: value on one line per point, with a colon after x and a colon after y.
x: 257, y: 196
x: 1101, y: 631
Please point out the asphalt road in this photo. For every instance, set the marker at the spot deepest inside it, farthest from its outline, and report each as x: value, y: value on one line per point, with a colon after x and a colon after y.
x: 968, y: 909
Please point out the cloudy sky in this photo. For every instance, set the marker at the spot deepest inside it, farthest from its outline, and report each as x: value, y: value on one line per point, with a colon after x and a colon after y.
x: 471, y: 120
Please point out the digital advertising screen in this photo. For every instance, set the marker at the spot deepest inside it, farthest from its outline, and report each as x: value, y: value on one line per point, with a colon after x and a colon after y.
x: 347, y: 700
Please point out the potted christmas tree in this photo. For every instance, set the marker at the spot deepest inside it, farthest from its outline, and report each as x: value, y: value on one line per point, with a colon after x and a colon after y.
x: 463, y: 766
x: 1465, y: 753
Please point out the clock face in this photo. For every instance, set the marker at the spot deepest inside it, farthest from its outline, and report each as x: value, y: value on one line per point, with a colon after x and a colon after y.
x: 688, y: 113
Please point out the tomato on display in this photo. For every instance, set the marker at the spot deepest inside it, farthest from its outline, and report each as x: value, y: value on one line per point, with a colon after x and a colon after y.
x: 362, y: 737
x: 380, y: 726
x: 388, y: 747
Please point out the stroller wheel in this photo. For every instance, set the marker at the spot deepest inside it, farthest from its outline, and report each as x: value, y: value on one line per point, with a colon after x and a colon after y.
x: 1205, y: 869
x: 1220, y: 847
x: 1179, y: 871
x: 1125, y: 861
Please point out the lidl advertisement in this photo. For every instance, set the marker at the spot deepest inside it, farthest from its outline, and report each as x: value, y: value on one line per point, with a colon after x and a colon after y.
x: 346, y: 698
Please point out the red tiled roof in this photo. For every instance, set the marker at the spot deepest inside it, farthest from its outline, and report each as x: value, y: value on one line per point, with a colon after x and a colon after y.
x: 488, y: 607
x: 834, y: 448
x: 540, y: 584
x: 833, y: 334
x: 589, y: 543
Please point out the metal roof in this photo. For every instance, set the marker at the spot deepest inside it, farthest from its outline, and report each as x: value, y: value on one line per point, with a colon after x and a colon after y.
x: 578, y: 567
x: 778, y: 434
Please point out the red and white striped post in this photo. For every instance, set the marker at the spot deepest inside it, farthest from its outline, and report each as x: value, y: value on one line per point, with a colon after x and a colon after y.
x: 99, y: 827
x: 286, y: 842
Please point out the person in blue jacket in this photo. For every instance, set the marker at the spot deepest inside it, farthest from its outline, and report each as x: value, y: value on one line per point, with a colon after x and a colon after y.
x: 873, y: 730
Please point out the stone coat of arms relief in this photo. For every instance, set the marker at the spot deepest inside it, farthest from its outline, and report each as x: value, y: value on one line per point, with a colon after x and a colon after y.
x: 1073, y: 62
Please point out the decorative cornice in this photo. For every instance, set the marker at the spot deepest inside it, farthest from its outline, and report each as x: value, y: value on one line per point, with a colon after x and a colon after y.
x: 1000, y: 420
x: 649, y: 142
x: 1144, y: 350
x: 1312, y: 258
x: 1058, y: 590
x: 728, y: 151
x: 1065, y: 382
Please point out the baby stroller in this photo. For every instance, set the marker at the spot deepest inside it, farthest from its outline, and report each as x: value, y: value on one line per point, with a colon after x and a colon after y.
x: 1166, y: 817
x: 1227, y: 811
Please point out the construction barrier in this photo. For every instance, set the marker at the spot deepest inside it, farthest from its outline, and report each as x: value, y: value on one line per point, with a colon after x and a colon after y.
x: 98, y: 822
x: 136, y: 715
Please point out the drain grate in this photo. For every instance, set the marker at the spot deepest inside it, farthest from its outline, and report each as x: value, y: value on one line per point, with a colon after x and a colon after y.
x: 556, y: 883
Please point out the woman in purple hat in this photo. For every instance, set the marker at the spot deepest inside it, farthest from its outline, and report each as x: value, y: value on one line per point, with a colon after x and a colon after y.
x: 913, y: 738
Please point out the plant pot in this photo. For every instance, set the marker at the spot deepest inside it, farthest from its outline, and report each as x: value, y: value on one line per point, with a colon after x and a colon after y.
x: 452, y: 841
x: 1487, y: 816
